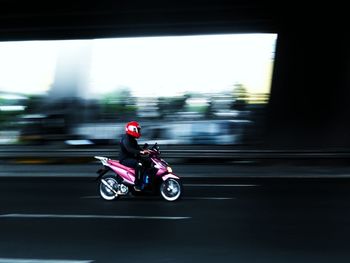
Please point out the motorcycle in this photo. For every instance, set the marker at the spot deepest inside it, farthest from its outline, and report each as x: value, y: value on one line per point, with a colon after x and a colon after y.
x: 158, y: 178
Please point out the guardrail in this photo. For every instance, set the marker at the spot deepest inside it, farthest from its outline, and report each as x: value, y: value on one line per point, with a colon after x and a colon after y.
x: 203, y: 153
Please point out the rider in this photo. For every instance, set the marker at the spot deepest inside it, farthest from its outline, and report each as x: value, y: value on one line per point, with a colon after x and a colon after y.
x: 130, y: 151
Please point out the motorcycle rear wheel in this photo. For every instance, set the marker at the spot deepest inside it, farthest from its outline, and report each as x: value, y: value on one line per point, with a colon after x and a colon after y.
x: 107, y: 184
x: 171, y: 189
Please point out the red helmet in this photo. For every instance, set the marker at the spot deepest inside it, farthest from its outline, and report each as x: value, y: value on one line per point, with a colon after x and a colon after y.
x: 133, y: 128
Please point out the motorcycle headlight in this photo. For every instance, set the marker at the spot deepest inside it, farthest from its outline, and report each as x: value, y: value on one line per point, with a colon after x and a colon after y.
x: 169, y: 169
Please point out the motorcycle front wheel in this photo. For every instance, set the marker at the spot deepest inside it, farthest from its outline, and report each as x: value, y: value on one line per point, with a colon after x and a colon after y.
x: 108, y: 187
x: 171, y: 189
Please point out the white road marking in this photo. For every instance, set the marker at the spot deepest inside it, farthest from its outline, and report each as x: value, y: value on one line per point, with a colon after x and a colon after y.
x: 193, y: 198
x: 209, y: 198
x: 224, y: 185
x: 62, y: 216
x: 25, y: 260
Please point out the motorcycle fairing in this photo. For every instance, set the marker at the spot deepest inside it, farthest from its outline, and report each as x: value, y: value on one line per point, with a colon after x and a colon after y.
x: 125, y: 172
x: 169, y: 176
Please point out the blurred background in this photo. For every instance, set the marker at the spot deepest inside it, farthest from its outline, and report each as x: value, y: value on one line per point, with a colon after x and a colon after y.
x: 186, y: 91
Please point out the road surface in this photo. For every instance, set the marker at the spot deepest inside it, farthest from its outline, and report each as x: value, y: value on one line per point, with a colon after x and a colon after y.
x: 63, y: 220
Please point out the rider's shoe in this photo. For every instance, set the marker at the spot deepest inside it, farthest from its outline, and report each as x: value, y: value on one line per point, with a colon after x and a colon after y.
x: 137, y: 188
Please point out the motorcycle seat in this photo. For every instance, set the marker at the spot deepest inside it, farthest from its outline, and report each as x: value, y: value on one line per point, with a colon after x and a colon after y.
x: 118, y: 164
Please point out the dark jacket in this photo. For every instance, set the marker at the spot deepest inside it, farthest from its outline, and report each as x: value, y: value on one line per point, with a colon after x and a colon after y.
x: 129, y: 148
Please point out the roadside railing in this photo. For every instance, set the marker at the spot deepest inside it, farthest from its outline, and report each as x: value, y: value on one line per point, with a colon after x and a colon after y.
x: 185, y: 154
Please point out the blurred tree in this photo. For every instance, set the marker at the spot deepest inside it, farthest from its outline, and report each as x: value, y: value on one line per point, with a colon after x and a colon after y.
x: 34, y: 103
x: 8, y: 115
x: 240, y: 97
x: 209, y: 110
x: 167, y: 105
x: 118, y: 104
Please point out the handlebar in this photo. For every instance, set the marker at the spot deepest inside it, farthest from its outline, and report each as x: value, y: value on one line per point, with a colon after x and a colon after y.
x: 155, y: 147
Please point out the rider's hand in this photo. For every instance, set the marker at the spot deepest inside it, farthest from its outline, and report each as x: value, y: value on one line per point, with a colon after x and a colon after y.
x: 144, y: 152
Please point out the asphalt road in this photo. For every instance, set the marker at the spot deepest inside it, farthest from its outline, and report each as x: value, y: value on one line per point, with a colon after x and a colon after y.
x: 63, y: 220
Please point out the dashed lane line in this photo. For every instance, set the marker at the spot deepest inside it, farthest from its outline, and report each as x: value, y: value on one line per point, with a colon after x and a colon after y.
x: 27, y: 260
x: 186, y: 198
x: 222, y: 185
x: 72, y: 216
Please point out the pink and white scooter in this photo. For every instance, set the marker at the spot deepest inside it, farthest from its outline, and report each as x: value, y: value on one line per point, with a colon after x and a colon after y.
x: 159, y: 179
